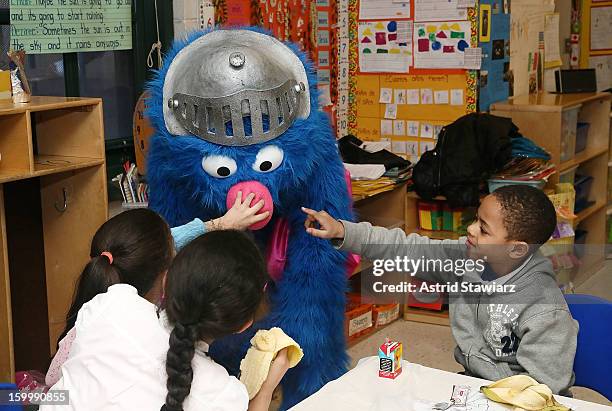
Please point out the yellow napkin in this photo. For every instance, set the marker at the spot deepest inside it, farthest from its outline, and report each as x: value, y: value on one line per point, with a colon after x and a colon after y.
x: 255, y: 366
x: 524, y: 393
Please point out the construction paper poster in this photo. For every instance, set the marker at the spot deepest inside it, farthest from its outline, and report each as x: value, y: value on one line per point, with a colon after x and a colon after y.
x: 441, y: 44
x: 385, y: 46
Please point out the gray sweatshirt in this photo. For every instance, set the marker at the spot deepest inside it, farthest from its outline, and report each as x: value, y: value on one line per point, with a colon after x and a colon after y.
x: 498, y: 334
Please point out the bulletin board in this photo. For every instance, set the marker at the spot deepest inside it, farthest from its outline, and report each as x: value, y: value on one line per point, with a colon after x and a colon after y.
x: 407, y: 106
x: 595, y: 44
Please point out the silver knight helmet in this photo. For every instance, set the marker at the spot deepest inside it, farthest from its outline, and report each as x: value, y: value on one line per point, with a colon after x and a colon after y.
x: 235, y: 88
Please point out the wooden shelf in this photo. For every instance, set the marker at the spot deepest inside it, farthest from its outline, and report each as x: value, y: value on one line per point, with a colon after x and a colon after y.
x: 44, y: 165
x: 371, y: 332
x: 440, y: 235
x: 413, y: 194
x: 52, y: 150
x: 547, y: 102
x: 589, y: 211
x: 40, y: 103
x: 421, y: 315
x: 586, y: 155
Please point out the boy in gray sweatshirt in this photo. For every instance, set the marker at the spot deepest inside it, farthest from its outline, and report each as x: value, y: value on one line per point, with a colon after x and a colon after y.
x: 525, y: 326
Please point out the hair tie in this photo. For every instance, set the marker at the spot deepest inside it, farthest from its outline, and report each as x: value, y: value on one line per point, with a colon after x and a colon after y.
x: 108, y: 255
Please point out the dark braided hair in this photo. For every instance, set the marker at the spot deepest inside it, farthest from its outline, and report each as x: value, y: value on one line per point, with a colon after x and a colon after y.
x: 528, y: 214
x: 214, y: 287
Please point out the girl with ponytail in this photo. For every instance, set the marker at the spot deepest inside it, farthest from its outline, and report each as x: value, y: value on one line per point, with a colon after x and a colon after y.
x: 130, y: 354
x: 135, y: 248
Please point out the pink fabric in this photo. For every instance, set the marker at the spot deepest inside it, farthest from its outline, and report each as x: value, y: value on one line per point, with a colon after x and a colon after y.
x: 55, y: 369
x: 276, y: 253
x: 261, y: 193
x: 352, y: 260
x: 277, y: 249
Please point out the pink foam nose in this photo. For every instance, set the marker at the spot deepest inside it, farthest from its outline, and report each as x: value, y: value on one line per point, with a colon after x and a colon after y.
x: 261, y: 193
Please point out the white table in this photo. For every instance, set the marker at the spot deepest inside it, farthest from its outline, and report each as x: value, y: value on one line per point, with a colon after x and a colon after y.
x: 416, y: 389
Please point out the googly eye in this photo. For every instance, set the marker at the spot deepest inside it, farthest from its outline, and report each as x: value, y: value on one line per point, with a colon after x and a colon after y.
x: 268, y: 159
x: 219, y: 166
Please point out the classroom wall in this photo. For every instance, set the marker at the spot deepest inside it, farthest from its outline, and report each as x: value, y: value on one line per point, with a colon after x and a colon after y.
x: 187, y: 15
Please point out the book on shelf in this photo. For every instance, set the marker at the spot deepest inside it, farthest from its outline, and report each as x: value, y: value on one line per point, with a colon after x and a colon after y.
x: 134, y: 190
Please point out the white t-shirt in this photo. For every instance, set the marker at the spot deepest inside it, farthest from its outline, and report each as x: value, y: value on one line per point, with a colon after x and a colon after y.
x: 117, y: 361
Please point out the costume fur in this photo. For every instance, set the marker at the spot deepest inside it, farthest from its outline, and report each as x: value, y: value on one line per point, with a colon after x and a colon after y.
x: 308, y: 302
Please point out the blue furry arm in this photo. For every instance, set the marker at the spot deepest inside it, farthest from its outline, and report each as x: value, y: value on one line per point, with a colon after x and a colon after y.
x: 186, y: 233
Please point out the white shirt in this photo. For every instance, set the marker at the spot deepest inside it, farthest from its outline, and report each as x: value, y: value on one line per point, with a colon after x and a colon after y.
x: 117, y: 361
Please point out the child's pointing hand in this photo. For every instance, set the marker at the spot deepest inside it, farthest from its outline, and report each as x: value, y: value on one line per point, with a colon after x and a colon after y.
x: 328, y: 227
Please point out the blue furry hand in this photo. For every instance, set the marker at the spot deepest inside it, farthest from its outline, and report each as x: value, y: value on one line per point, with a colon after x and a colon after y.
x: 328, y: 227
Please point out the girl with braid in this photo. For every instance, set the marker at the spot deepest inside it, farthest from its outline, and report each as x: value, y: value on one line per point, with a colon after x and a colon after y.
x: 214, y: 287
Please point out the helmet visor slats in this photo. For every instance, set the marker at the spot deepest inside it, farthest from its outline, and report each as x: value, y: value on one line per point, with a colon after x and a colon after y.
x: 243, y: 118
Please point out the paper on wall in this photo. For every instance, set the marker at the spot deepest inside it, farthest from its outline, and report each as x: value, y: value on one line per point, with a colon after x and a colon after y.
x: 472, y: 58
x: 603, y: 71
x: 399, y: 128
x: 391, y: 111
x: 324, y: 95
x: 464, y: 4
x: 426, y: 96
x: 412, y: 96
x: 601, y: 21
x: 386, y: 95
x: 456, y: 97
x: 526, y: 21
x: 552, y: 54
x: 441, y: 96
x: 438, y: 10
x: 426, y: 130
x: 426, y: 146
x: 386, y: 127
x: 398, y: 146
x: 412, y: 128
x: 383, y: 9
x: 441, y: 44
x: 400, y: 96
x: 412, y: 148
x: 385, y: 46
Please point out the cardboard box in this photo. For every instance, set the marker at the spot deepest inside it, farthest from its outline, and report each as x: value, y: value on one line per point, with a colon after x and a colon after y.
x: 5, y: 85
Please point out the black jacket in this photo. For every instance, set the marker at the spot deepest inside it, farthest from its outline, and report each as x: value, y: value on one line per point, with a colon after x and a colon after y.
x: 467, y: 153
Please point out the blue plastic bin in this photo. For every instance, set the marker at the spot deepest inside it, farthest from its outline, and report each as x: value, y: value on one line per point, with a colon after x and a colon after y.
x: 9, y: 387
x: 582, y: 133
x: 495, y: 183
x: 582, y: 185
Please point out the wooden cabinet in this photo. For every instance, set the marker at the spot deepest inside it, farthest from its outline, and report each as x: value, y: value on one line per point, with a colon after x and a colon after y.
x: 52, y: 200
x: 550, y: 121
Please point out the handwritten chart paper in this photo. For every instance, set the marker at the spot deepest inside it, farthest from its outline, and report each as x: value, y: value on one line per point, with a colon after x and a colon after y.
x: 383, y: 9
x: 603, y: 71
x: 441, y: 44
x: 601, y: 21
x: 385, y: 46
x: 438, y: 10
x: 64, y: 26
x: 552, y: 54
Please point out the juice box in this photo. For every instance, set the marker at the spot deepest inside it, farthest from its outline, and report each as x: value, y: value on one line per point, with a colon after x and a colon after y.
x: 390, y: 359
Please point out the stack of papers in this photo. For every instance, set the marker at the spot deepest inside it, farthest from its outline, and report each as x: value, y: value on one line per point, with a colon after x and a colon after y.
x: 363, y: 188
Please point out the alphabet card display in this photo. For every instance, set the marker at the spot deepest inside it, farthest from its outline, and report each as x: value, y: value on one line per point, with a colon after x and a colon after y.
x: 441, y: 44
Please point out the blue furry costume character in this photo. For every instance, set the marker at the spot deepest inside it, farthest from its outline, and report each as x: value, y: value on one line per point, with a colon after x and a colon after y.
x: 238, y: 108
